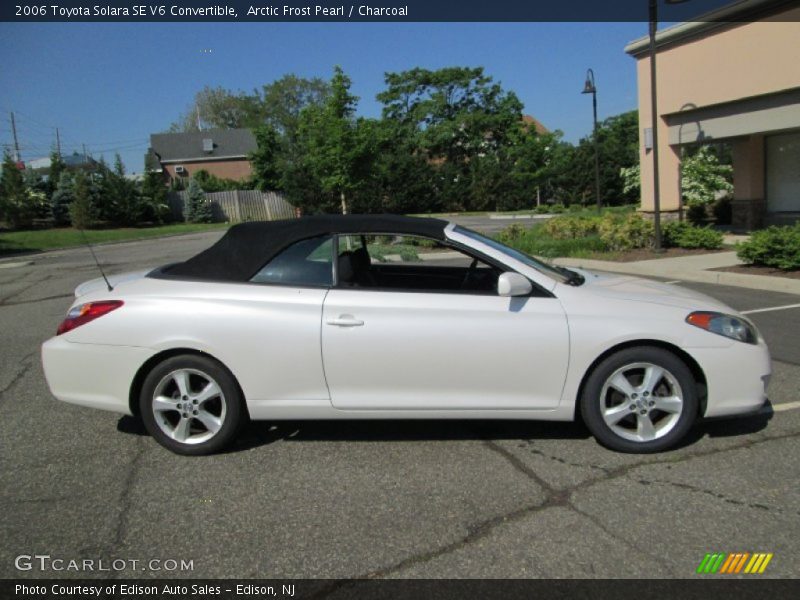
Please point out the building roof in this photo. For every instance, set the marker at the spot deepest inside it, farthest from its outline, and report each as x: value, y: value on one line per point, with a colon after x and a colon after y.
x: 529, y: 121
x: 195, y: 145
x: 740, y: 11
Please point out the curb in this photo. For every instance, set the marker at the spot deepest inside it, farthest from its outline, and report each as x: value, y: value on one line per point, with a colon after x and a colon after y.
x: 755, y: 282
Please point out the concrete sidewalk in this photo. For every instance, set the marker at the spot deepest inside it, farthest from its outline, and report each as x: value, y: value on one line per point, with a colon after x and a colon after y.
x: 690, y: 268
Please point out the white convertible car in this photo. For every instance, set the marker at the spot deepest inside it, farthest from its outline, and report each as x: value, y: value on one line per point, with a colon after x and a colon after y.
x: 387, y: 317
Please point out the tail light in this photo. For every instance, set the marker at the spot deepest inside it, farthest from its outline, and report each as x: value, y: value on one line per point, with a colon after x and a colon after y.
x: 83, y: 313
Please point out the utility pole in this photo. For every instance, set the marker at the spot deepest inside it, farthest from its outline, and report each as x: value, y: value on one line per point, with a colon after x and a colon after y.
x: 58, y: 143
x: 16, y: 141
x: 199, y: 125
x: 85, y: 156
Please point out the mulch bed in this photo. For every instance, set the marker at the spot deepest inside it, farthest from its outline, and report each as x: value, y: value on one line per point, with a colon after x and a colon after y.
x: 647, y: 254
x: 756, y: 270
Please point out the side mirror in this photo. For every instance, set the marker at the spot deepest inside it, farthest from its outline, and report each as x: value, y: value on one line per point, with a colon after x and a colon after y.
x: 513, y: 284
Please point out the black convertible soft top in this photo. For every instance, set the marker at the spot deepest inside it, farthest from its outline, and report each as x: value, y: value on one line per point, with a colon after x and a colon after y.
x: 247, y: 247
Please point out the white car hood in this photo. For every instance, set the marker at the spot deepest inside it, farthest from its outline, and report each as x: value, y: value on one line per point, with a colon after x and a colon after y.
x: 636, y: 289
x: 95, y: 285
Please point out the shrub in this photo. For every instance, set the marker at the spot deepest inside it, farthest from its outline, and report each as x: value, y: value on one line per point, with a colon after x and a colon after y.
x: 542, y: 209
x: 557, y: 209
x: 777, y: 247
x: 679, y: 234
x: 511, y: 234
x: 570, y: 227
x: 628, y: 233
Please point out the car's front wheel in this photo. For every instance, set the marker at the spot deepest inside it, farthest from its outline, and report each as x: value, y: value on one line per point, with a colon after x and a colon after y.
x: 640, y: 400
x: 191, y: 405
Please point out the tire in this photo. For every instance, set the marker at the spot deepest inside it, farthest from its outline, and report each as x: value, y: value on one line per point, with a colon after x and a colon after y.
x: 640, y: 400
x: 192, y: 405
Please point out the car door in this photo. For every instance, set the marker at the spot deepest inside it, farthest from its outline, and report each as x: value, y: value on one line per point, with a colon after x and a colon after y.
x: 389, y: 345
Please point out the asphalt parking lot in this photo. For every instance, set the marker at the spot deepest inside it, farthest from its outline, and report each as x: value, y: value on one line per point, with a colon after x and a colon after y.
x: 380, y: 499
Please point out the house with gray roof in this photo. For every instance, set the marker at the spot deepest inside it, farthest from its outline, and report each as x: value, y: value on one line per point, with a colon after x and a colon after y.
x: 222, y: 152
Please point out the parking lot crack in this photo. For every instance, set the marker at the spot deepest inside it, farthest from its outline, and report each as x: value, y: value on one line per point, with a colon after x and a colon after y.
x: 716, y: 495
x: 125, y: 500
x: 26, y: 365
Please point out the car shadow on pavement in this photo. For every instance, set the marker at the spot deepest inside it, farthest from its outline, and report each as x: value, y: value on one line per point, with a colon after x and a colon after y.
x: 407, y: 431
x: 263, y: 433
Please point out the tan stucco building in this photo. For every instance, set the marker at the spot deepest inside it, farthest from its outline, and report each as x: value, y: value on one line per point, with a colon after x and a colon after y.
x: 725, y: 81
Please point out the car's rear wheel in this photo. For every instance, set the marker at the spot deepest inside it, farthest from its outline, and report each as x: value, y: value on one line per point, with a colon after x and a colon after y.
x: 191, y: 405
x: 640, y: 400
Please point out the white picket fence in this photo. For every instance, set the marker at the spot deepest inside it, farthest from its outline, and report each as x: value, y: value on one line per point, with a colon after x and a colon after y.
x: 239, y: 205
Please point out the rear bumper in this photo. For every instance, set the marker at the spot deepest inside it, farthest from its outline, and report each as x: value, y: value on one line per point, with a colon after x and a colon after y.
x: 737, y: 377
x: 93, y: 375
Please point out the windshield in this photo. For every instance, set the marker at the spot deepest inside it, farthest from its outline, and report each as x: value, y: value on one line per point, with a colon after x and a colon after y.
x: 540, y: 266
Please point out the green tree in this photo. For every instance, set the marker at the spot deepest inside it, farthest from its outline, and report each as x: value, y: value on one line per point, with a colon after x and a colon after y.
x: 198, y: 209
x: 38, y: 192
x: 334, y: 149
x: 265, y: 160
x: 17, y: 205
x: 278, y: 104
x: 618, y: 148
x: 125, y: 203
x: 62, y: 199
x: 57, y: 166
x: 154, y: 197
x: 464, y: 124
x: 283, y: 100
x: 219, y: 108
x: 81, y: 211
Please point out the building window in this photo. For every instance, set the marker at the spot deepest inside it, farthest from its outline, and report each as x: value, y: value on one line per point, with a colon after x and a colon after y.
x: 783, y: 172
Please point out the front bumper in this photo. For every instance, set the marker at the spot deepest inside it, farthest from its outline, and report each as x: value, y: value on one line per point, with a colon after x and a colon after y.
x: 93, y: 375
x: 737, y: 377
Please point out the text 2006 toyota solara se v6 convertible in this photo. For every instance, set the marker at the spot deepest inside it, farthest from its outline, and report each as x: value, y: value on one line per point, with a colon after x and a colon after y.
x: 387, y: 317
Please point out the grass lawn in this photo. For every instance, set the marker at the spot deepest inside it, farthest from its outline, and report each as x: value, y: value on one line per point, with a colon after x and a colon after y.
x: 15, y: 242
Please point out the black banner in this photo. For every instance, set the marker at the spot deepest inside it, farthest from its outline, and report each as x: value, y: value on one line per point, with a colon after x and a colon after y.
x: 388, y: 10
x: 404, y: 589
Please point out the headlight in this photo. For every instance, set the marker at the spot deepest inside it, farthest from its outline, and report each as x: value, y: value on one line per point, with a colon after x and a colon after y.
x: 726, y: 325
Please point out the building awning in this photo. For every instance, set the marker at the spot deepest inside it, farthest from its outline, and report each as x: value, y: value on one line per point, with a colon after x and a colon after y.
x: 769, y: 113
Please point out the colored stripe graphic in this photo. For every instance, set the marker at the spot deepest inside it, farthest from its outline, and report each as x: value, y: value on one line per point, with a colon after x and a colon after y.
x: 733, y: 563
x: 742, y: 561
x: 726, y: 566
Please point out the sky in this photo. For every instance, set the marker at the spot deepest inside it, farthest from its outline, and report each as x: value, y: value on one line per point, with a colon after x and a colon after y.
x: 110, y: 85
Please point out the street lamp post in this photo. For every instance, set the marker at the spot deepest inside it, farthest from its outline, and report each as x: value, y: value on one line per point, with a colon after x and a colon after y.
x: 654, y: 118
x: 590, y: 88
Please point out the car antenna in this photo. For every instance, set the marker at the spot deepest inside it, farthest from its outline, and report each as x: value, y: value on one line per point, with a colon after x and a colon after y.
x: 97, y: 262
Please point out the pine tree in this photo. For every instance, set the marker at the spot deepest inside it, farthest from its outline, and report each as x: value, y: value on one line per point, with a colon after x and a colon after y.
x: 154, y: 197
x: 16, y: 204
x: 62, y: 197
x: 80, y: 211
x: 198, y: 209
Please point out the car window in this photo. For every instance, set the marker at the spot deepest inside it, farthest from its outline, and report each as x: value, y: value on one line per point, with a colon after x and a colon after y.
x: 411, y: 263
x: 526, y: 259
x: 304, y: 263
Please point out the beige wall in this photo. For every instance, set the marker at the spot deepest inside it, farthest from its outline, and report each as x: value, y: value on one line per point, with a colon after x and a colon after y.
x: 739, y: 61
x: 226, y: 169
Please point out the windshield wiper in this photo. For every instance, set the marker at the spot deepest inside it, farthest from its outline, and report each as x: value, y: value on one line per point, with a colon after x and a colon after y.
x: 573, y: 277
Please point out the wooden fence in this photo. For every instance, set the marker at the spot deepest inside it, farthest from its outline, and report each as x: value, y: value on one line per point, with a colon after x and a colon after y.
x: 239, y: 205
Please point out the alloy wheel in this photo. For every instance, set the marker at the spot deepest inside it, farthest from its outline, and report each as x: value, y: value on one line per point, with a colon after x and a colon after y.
x: 189, y: 406
x: 641, y: 402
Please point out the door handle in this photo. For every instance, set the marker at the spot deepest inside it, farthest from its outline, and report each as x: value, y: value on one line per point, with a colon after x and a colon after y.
x: 345, y: 321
